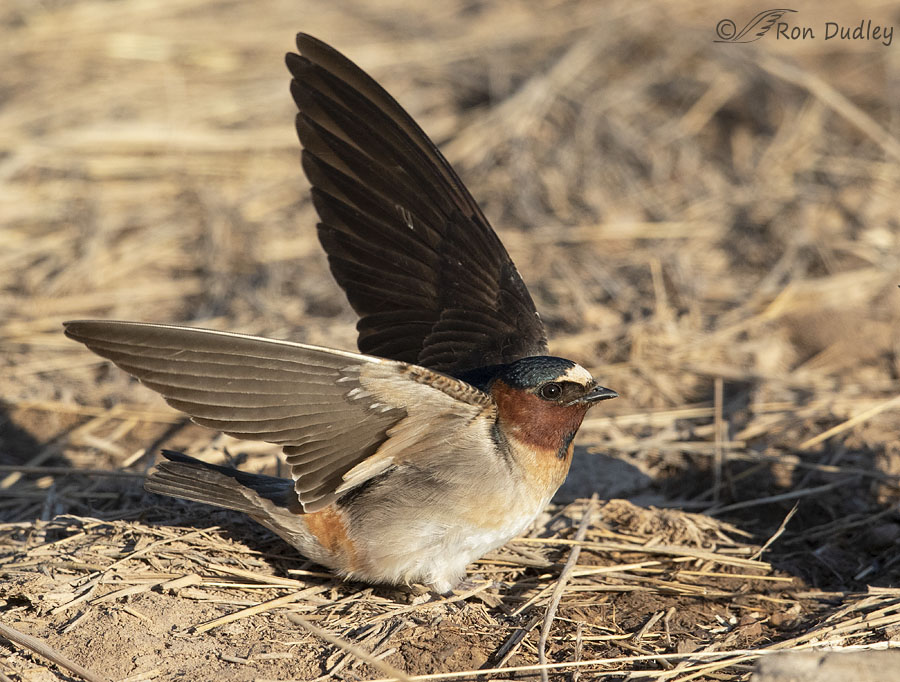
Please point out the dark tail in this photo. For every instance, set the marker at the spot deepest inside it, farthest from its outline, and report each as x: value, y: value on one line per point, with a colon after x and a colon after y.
x: 191, y: 479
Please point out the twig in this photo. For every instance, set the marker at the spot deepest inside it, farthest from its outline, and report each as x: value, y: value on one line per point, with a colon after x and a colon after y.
x: 68, y: 471
x: 850, y: 423
x: 578, y: 644
x: 719, y: 454
x: 349, y: 647
x: 739, y: 654
x: 791, y: 495
x: 38, y: 647
x: 778, y: 532
x: 259, y: 608
x: 511, y: 645
x: 561, y: 583
x: 481, y: 587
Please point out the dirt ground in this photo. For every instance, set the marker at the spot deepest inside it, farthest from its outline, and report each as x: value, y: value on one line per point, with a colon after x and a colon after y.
x: 711, y: 228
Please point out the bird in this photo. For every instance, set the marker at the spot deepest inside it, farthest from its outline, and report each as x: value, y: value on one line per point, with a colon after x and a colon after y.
x: 447, y: 433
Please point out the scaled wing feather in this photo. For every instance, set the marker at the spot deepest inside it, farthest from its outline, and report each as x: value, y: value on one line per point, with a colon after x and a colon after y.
x: 332, y: 411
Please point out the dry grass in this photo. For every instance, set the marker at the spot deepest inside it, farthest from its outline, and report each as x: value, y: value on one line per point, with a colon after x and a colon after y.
x: 712, y: 229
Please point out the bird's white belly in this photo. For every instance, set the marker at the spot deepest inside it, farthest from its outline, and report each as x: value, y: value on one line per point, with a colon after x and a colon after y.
x: 436, y: 552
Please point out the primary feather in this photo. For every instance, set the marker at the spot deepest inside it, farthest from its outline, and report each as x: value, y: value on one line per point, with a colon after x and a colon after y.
x: 420, y: 264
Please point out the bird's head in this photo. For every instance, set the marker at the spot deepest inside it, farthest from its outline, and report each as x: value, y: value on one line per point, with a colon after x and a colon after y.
x: 541, y: 401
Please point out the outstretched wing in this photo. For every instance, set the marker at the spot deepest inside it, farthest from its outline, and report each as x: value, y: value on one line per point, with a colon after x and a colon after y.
x: 428, y: 276
x: 340, y: 417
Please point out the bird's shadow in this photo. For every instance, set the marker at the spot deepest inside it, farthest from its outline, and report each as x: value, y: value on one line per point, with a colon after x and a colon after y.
x: 609, y: 477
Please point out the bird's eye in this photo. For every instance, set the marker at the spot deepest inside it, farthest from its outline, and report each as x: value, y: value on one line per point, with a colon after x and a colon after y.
x: 551, y: 391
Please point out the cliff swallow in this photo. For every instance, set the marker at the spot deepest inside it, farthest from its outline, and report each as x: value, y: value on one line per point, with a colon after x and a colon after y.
x: 450, y: 430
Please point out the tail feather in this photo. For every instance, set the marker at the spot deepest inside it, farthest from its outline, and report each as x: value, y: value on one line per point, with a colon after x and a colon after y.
x: 192, y: 479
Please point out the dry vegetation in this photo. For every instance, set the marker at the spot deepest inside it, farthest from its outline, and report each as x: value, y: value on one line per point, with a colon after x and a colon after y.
x: 712, y: 229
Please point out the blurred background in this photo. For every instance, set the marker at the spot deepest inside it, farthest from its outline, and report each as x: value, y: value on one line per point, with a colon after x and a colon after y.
x: 711, y: 228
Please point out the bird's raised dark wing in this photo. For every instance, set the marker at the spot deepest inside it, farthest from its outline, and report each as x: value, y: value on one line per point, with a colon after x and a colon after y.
x: 340, y: 417
x: 428, y: 276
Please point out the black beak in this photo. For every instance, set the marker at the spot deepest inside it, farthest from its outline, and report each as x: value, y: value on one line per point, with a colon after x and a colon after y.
x: 596, y: 394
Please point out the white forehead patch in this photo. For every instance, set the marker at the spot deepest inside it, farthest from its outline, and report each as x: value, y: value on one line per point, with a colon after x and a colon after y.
x: 578, y: 375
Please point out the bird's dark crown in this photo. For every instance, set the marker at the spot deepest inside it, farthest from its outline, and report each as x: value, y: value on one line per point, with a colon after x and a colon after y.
x: 523, y: 374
